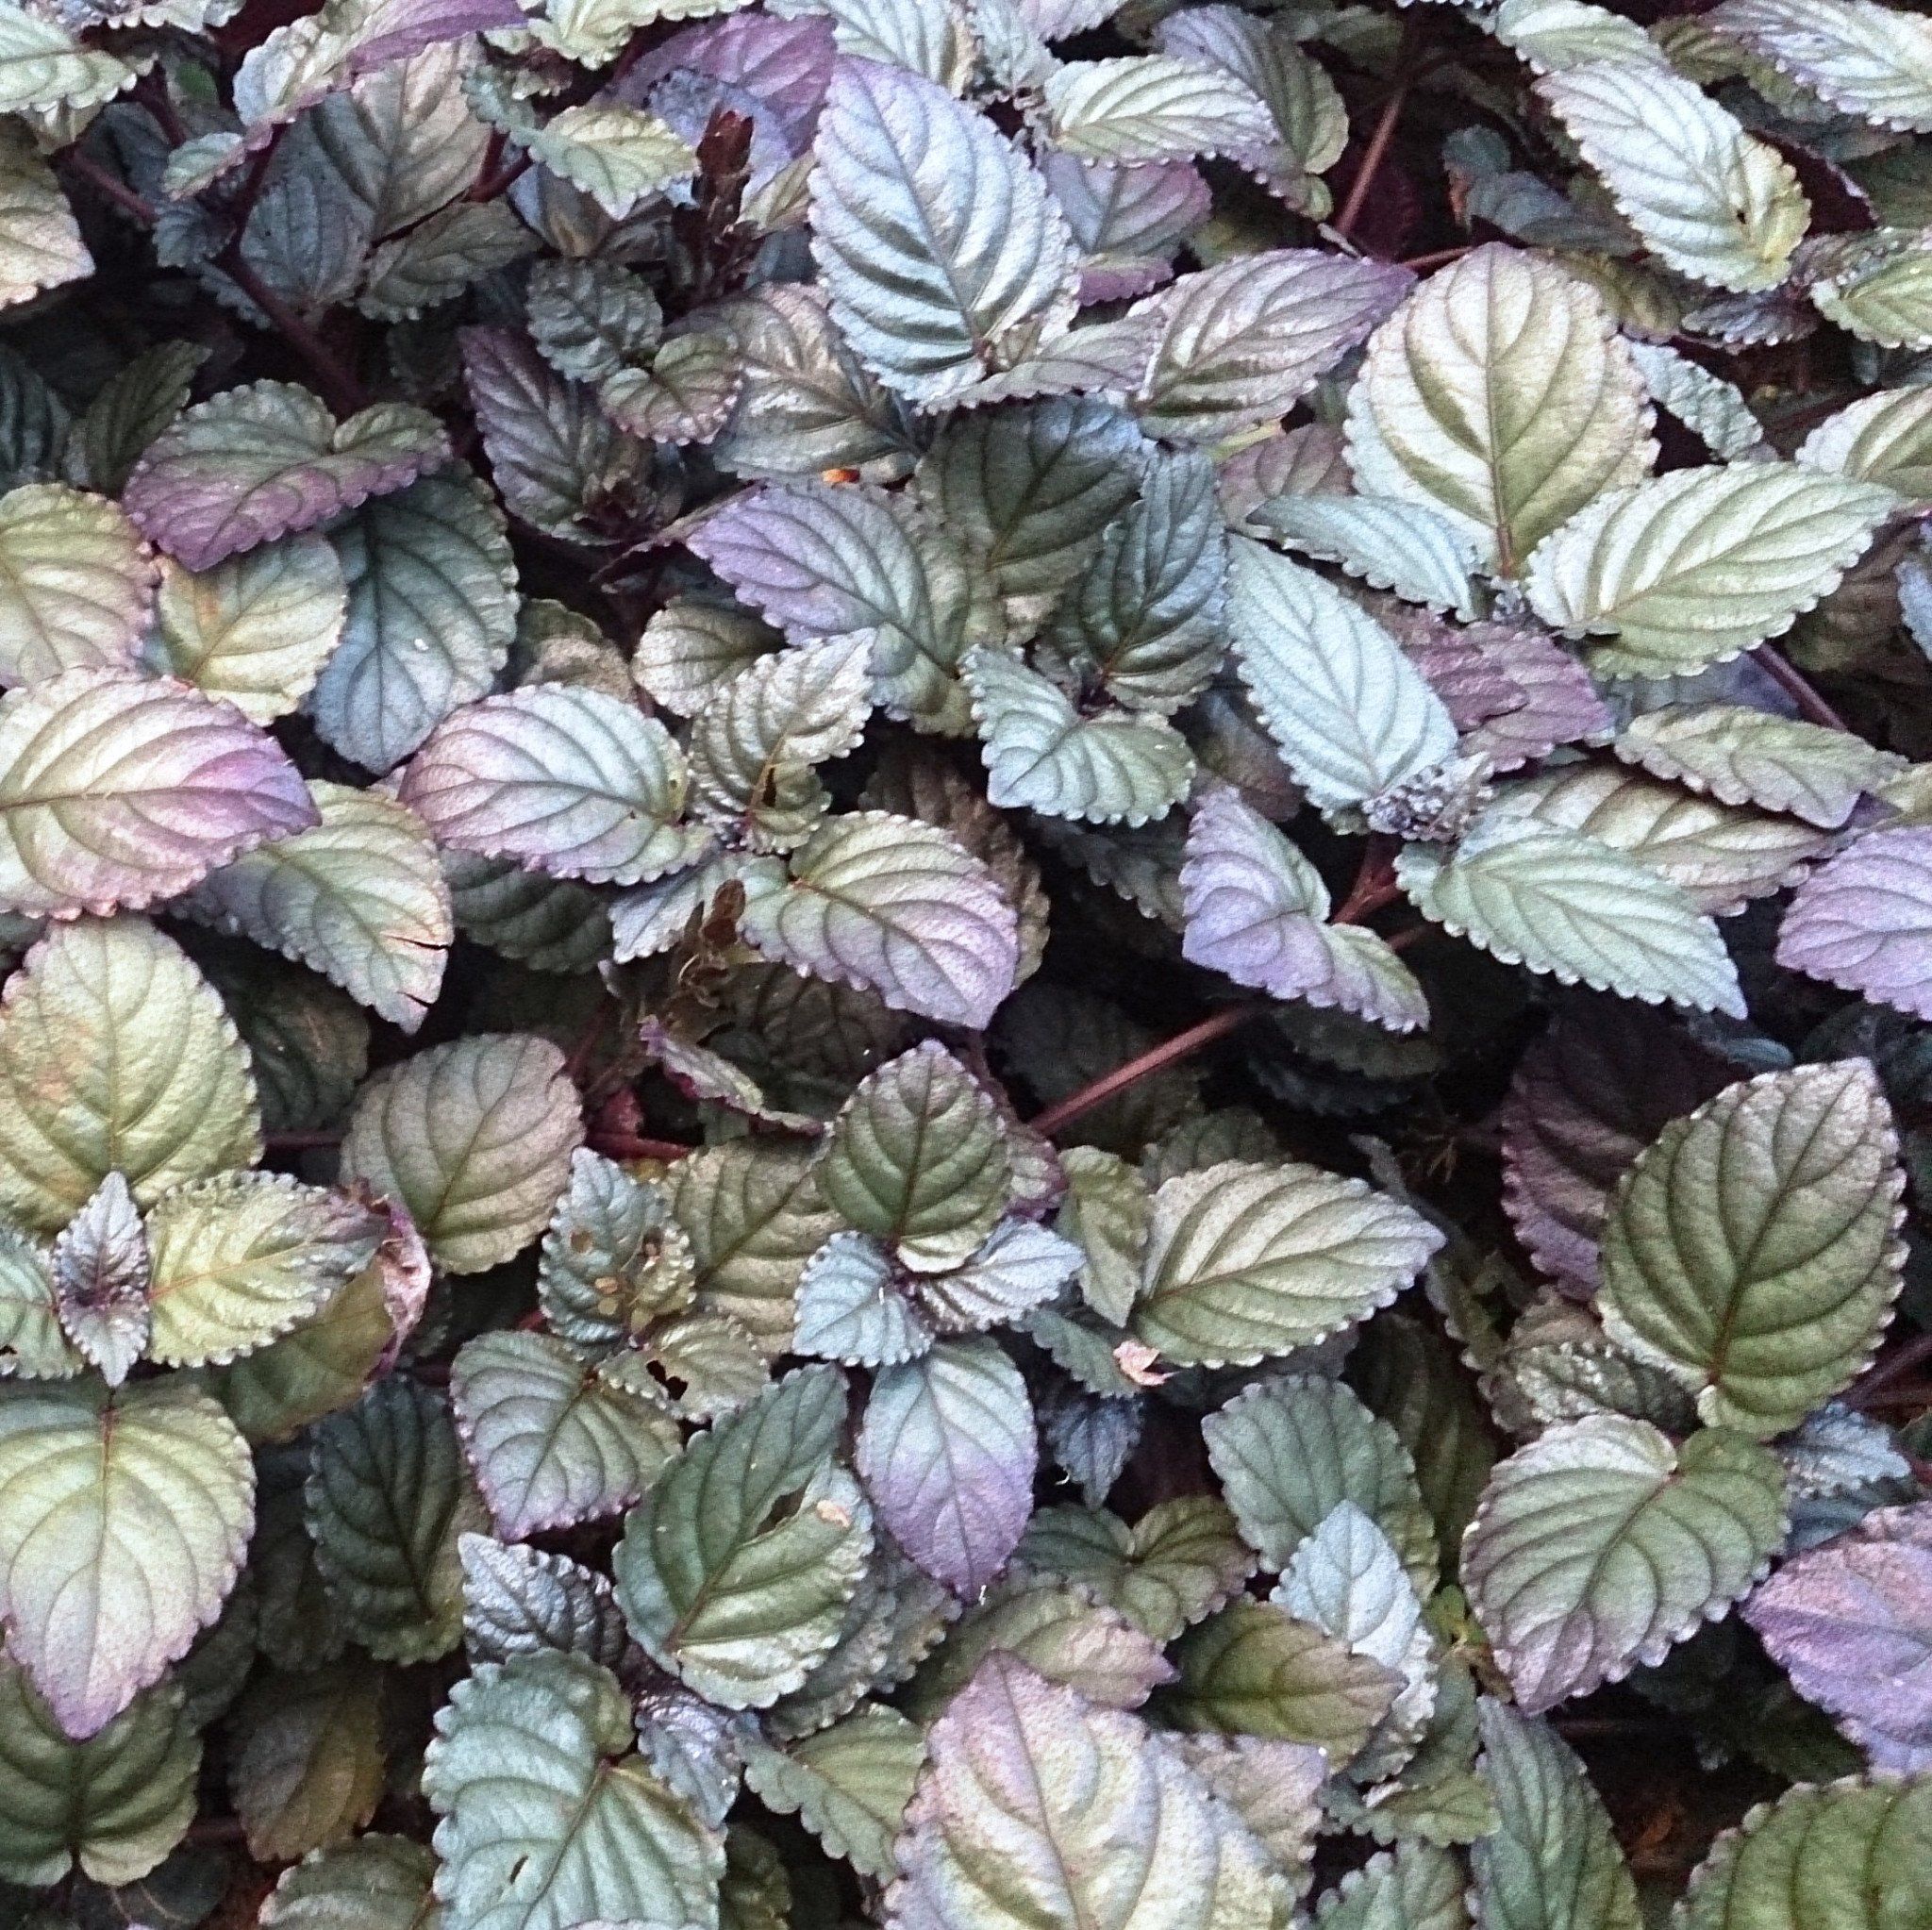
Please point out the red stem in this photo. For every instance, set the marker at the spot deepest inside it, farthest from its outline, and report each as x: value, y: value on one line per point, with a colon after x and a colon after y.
x: 1879, y: 1380
x: 1182, y: 1045
x: 1440, y: 258
x: 1378, y: 141
x: 1798, y: 688
x: 629, y: 1146
x: 1374, y: 883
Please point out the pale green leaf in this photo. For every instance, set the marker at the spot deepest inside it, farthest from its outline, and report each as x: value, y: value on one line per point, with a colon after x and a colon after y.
x: 43, y: 65
x: 1414, y: 1887
x: 39, y: 239
x: 1877, y: 286
x: 75, y: 581
x: 1389, y: 542
x: 306, y: 1768
x: 1869, y: 61
x: 373, y: 1882
x: 1152, y: 107
x: 849, y: 1785
x: 1884, y: 439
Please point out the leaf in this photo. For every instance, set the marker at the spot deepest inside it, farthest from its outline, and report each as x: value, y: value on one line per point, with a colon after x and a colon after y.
x: 255, y: 463
x: 1716, y: 411
x: 549, y: 1816
x: 435, y: 262
x: 123, y: 1516
x: 896, y: 907
x: 114, y: 1805
x: 1352, y: 714
x: 1689, y: 569
x: 115, y: 1056
x: 1843, y: 1620
x: 75, y: 582
x: 102, y: 1281
x: 1850, y: 1854
x: 940, y: 249
x: 1553, y: 1863
x: 1601, y: 1544
x: 255, y: 630
x: 475, y: 1139
x: 1752, y: 1250
x: 1256, y: 909
x: 735, y: 1570
x: 1242, y: 341
x: 849, y: 1785
x: 43, y: 65
x: 1884, y: 439
x: 32, y: 1341
x: 553, y: 1441
x: 918, y: 1158
x: 1244, y: 1260
x: 130, y: 410
x: 1110, y: 767
x: 947, y: 1453
x: 519, y: 1601
x: 372, y: 1883
x: 1179, y: 1562
x: 432, y: 610
x: 1565, y: 904
x: 1741, y: 756
x: 1873, y: 286
x: 1499, y: 396
x: 550, y: 924
x: 1711, y: 201
x: 569, y: 780
x: 1415, y: 1887
x: 1253, y: 1669
x: 387, y: 1502
x: 1863, y: 920
x: 617, y: 155
x: 1289, y: 1451
x: 1038, y: 1806
x: 240, y: 1258
x: 37, y: 231
x: 308, y: 1767
x: 117, y: 790
x: 1870, y: 61
x: 1151, y: 108
x: 1396, y: 545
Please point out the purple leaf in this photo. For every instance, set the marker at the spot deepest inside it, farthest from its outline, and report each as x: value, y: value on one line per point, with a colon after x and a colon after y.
x: 1561, y: 704
x: 947, y: 1454
x: 785, y: 63
x: 1852, y: 1621
x: 394, y: 30
x: 1588, y: 1096
x: 1864, y: 920
x: 251, y: 464
x: 118, y: 790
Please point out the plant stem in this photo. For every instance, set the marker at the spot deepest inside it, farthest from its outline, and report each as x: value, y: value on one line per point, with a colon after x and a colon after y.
x: 1374, y: 883
x: 1182, y: 1045
x: 110, y: 186
x: 1798, y: 688
x: 1378, y: 141
x: 1879, y: 1379
x: 1440, y: 258
x: 629, y: 1146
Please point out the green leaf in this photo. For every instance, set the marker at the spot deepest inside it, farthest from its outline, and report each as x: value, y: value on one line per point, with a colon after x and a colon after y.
x: 1884, y: 439
x: 520, y: 1600
x: 549, y: 1816
x: 114, y: 1805
x: 129, y: 410
x: 435, y: 261
x: 1107, y: 767
x: 1415, y: 1887
x: 306, y: 1768
x: 31, y: 1339
x: 361, y: 899
x: 373, y: 1882
x: 940, y: 249
x: 115, y: 1056
x: 1753, y: 1250
x: 1352, y: 714
x: 553, y: 1441
x: 947, y: 1453
x: 1602, y: 1544
x: 386, y: 1501
x: 1567, y: 904
x: 1716, y: 411
x: 240, y: 1258
x: 1292, y: 1451
x: 1742, y: 756
x: 896, y: 907
x: 1393, y: 545
x: 1876, y: 286
x: 255, y: 631
x: 1553, y: 1863
x: 735, y: 1570
x: 1499, y: 395
x: 917, y: 1158
x: 1689, y: 569
x: 1037, y: 1806
x: 1151, y: 108
x: 550, y: 924
x: 475, y: 1139
x: 1244, y: 1260
x: 117, y: 790
x: 43, y: 65
x: 38, y: 234
x: 123, y: 1520
x: 1181, y: 1560
x: 75, y: 582
x: 1869, y: 61
x: 1855, y: 1854
x: 613, y: 1259
x: 568, y: 780
x: 1711, y: 201
x: 1253, y: 1669
x: 849, y: 1785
